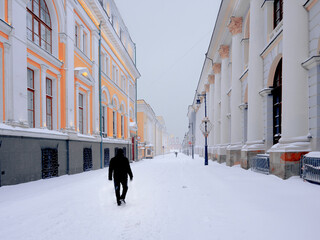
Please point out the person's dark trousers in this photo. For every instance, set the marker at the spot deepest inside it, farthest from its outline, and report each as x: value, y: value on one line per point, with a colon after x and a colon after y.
x: 124, y: 183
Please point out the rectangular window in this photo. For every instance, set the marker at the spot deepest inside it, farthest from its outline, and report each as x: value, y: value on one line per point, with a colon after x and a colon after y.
x: 114, y: 124
x: 117, y: 76
x: 76, y: 29
x: 30, y: 90
x: 277, y: 12
x: 114, y: 73
x: 49, y: 103
x: 107, y: 65
x: 103, y: 121
x: 81, y: 113
x: 84, y: 43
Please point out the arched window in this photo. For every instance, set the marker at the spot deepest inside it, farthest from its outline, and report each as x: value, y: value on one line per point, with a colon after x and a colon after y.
x: 39, y: 28
x: 277, y: 12
x: 277, y: 103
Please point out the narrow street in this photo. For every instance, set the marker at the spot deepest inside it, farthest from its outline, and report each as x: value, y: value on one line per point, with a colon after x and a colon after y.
x: 169, y: 198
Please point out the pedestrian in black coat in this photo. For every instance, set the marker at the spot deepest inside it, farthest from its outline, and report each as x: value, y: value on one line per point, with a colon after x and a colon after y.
x: 120, y: 169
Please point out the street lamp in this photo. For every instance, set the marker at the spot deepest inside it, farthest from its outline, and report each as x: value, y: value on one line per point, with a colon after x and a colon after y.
x: 192, y: 149
x: 205, y: 125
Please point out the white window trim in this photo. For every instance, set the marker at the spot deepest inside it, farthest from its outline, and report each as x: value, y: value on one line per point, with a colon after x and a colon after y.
x: 37, y: 117
x: 86, y: 107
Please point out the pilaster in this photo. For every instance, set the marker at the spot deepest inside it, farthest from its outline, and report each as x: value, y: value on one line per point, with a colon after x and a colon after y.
x: 43, y: 88
x: 69, y: 67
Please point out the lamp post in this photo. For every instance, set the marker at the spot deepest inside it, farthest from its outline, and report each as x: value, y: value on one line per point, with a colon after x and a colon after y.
x: 205, y: 126
x: 192, y: 149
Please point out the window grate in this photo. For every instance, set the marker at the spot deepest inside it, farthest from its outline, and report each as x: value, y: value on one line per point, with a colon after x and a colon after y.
x: 50, y: 164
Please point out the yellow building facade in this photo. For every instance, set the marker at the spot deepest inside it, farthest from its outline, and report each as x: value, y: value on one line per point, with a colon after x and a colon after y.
x: 50, y: 66
x: 152, y: 132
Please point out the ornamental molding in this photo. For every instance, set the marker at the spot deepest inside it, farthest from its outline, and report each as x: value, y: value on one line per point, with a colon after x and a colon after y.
x: 224, y: 51
x: 216, y: 68
x: 211, y: 79
x: 207, y: 87
x: 235, y: 25
x: 311, y: 62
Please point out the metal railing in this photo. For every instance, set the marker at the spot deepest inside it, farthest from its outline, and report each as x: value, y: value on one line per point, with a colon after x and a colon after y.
x: 260, y: 163
x: 310, y: 169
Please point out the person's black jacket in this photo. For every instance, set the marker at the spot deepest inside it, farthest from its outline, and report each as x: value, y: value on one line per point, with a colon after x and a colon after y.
x: 120, y: 167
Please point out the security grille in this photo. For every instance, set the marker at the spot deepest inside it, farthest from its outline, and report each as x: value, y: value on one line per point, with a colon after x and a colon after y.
x: 87, y: 159
x: 106, y: 157
x: 260, y: 163
x: 50, y: 165
x: 311, y: 169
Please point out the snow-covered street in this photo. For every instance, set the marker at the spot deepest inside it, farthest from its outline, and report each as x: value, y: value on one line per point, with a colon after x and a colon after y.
x: 169, y: 198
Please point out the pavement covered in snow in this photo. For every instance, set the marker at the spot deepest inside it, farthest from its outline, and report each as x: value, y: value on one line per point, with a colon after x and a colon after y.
x: 169, y: 199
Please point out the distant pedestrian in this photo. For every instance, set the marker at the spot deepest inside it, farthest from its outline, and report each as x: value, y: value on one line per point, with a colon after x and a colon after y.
x: 176, y: 153
x: 119, y: 168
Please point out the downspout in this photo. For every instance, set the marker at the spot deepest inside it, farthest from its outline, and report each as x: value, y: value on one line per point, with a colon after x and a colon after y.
x: 100, y: 104
x: 135, y: 107
x: 136, y: 116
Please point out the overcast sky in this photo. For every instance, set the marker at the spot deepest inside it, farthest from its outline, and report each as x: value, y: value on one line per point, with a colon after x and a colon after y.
x: 172, y: 37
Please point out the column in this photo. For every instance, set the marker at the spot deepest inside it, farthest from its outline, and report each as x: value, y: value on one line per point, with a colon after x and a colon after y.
x: 234, y: 150
x: 294, y: 83
x: 224, y: 54
x: 43, y: 96
x: 70, y: 111
x: 255, y: 77
x: 294, y: 141
x: 216, y: 110
x: 235, y: 28
x: 211, y: 108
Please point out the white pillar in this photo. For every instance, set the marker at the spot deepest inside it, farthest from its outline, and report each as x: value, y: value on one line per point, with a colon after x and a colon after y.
x: 224, y: 54
x: 294, y: 81
x: 211, y: 108
x: 70, y: 121
x: 217, y: 98
x: 17, y: 81
x: 255, y: 77
x: 43, y: 95
x: 235, y: 28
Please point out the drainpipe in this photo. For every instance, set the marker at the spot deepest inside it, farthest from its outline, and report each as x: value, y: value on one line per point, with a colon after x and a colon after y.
x: 136, y: 98
x: 100, y: 105
x: 135, y: 108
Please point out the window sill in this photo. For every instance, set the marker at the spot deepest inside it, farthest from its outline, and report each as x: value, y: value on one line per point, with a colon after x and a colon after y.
x: 83, y: 55
x: 43, y: 53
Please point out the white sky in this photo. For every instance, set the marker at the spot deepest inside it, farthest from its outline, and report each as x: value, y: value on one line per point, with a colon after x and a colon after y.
x: 172, y: 38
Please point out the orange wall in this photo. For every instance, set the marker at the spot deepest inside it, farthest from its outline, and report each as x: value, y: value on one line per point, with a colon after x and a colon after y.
x: 140, y: 116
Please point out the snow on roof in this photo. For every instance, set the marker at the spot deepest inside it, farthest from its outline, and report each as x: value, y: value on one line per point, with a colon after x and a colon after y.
x: 313, y: 154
